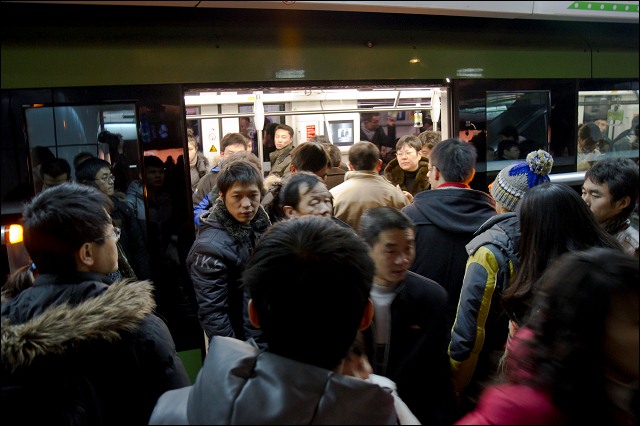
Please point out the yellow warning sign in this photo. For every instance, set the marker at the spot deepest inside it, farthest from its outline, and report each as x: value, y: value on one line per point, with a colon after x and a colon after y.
x: 213, y: 149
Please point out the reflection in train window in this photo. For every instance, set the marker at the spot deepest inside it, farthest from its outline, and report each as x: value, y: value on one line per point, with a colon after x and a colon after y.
x: 522, y: 117
x: 607, y: 126
x: 69, y: 130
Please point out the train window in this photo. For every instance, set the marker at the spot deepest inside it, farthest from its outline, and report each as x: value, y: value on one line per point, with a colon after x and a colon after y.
x: 66, y: 131
x: 607, y: 126
x: 521, y: 117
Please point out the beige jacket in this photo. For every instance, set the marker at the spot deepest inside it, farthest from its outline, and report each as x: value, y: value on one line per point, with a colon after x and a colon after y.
x: 363, y: 190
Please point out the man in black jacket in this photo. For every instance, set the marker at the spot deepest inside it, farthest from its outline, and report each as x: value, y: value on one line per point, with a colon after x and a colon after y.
x: 447, y: 216
x: 370, y: 130
x: 76, y: 348
x: 408, y: 339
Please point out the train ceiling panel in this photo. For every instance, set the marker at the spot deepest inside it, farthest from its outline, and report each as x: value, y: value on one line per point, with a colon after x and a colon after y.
x: 594, y: 11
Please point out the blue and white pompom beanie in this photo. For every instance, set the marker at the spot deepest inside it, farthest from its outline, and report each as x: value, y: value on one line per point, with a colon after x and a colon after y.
x: 514, y: 180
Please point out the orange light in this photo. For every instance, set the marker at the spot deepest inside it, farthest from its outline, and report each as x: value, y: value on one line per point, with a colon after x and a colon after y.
x: 11, y: 234
x: 15, y: 234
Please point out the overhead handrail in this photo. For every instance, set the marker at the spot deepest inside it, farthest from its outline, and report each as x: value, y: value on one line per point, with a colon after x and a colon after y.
x: 315, y: 112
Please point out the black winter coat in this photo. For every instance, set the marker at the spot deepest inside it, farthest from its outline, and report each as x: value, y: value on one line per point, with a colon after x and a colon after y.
x: 445, y: 221
x: 215, y: 262
x: 77, y: 351
x: 417, y: 358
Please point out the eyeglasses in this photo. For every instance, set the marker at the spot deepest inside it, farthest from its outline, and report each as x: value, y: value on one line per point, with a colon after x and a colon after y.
x: 116, y: 232
x: 105, y: 179
x: 406, y: 153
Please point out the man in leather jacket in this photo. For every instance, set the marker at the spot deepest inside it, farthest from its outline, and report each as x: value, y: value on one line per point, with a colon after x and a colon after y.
x: 309, y: 281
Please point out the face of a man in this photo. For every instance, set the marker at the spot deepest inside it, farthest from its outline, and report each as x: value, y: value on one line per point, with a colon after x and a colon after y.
x: 512, y: 153
x: 105, y: 181
x: 314, y: 201
x: 106, y: 252
x: 242, y: 201
x: 373, y: 123
x: 603, y: 126
x: 393, y: 254
x: 600, y: 201
x: 154, y: 176
x: 193, y: 153
x: 244, y: 125
x: 282, y: 138
x: 232, y: 149
x: 425, y: 151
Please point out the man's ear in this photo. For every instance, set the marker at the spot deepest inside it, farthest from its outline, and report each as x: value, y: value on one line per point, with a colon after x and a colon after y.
x: 350, y: 165
x: 253, y: 314
x: 473, y: 174
x: 367, y: 316
x: 293, y: 169
x: 85, y: 257
x: 288, y: 211
x: 436, y: 174
x: 622, y: 203
x: 378, y: 166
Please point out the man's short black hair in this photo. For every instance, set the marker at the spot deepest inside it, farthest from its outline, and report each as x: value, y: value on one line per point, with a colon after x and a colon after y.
x: 310, y: 156
x: 89, y: 168
x: 364, y: 155
x: 55, y: 167
x: 241, y: 172
x: 455, y: 159
x: 59, y: 220
x: 310, y: 280
x: 380, y: 219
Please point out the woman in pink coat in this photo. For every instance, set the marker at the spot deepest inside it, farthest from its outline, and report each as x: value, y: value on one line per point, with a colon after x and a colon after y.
x: 576, y: 359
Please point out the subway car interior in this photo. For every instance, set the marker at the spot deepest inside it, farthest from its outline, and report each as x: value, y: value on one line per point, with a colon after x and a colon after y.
x: 152, y: 70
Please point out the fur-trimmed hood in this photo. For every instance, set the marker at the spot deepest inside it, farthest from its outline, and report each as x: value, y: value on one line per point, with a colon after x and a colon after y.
x: 119, y: 308
x: 236, y: 230
x: 394, y: 173
x: 271, y: 201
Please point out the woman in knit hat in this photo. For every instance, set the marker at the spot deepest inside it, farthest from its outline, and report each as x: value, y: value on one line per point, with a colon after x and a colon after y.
x: 480, y: 329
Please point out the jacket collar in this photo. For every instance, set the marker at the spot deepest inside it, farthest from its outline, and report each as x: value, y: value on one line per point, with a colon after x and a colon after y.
x: 121, y: 307
x: 236, y: 230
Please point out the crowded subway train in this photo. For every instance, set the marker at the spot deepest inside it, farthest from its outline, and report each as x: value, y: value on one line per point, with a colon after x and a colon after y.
x: 155, y: 74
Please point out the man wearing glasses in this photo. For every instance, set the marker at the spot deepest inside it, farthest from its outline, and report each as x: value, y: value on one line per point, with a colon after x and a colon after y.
x: 133, y: 261
x: 87, y: 350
